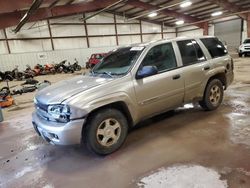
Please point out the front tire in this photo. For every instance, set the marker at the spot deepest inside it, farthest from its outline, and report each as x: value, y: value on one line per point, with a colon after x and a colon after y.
x: 106, y: 131
x: 240, y: 54
x: 213, y: 95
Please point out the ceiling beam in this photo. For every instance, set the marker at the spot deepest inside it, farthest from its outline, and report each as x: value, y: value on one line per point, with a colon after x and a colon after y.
x: 167, y: 12
x: 70, y: 2
x: 160, y: 4
x: 232, y: 7
x: 11, y: 19
x: 129, y: 16
x: 15, y: 5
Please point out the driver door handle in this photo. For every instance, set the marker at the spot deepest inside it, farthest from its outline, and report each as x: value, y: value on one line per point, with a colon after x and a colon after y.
x: 206, y: 68
x: 175, y: 77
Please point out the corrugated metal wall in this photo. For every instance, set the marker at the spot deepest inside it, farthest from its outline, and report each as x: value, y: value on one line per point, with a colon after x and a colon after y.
x: 69, y: 41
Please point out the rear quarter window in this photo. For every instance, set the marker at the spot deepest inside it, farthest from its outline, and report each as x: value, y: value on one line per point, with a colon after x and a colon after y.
x: 215, y: 47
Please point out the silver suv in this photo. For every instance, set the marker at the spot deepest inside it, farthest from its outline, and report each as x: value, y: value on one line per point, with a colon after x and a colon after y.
x: 244, y: 48
x: 132, y: 83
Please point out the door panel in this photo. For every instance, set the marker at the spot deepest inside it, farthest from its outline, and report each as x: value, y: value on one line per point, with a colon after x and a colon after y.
x: 194, y: 76
x: 195, y: 68
x: 162, y: 91
x: 159, y: 92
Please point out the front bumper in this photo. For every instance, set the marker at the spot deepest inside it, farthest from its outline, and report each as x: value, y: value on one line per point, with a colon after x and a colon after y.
x: 58, y: 133
x: 230, y: 78
x: 242, y: 51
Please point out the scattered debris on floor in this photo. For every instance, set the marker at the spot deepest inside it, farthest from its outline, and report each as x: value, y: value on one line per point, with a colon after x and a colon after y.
x: 183, y: 176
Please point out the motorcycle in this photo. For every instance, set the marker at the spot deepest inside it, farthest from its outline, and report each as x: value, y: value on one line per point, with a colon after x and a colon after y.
x: 7, y: 75
x: 16, y: 74
x: 39, y: 70
x: 49, y: 68
x: 29, y: 71
x: 62, y: 67
x: 76, y: 66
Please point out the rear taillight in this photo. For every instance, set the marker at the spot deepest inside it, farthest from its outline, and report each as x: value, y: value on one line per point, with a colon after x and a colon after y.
x: 232, y: 64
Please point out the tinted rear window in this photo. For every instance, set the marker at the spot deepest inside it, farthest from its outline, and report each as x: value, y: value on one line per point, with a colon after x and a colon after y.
x: 215, y: 47
x: 190, y: 52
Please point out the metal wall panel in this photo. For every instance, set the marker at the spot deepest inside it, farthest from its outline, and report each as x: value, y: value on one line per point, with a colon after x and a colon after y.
x: 147, y: 38
x: 29, y: 30
x: 3, y: 47
x: 101, y: 29
x: 128, y: 29
x: 124, y: 40
x: 121, y: 19
x: 150, y: 28
x: 67, y: 30
x: 70, y: 43
x: 2, y: 34
x: 9, y: 61
x: 169, y: 35
x: 100, y: 18
x: 102, y: 41
x: 192, y: 33
x: 22, y: 46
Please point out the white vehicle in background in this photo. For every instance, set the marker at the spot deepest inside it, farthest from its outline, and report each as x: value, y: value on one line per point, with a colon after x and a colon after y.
x: 244, y: 48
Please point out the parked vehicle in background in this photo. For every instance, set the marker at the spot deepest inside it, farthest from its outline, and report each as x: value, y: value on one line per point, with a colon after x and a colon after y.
x: 131, y: 84
x: 95, y: 59
x: 244, y: 48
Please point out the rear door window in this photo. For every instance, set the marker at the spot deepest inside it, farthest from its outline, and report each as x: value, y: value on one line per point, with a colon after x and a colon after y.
x: 190, y: 52
x: 215, y: 47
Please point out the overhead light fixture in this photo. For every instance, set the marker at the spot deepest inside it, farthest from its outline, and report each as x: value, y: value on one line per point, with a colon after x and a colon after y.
x: 179, y: 22
x: 217, y: 13
x: 186, y: 4
x: 152, y: 14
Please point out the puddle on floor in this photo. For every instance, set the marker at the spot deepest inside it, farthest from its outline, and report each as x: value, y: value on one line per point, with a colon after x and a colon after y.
x: 183, y: 176
x: 240, y: 115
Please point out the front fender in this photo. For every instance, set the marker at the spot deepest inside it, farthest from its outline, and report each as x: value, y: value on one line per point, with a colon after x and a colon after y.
x: 111, y: 99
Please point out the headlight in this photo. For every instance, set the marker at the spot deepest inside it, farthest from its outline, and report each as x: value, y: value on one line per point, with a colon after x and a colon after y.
x: 60, y: 113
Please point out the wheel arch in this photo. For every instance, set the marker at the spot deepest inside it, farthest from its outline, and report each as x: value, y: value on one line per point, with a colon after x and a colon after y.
x: 220, y: 76
x: 119, y: 105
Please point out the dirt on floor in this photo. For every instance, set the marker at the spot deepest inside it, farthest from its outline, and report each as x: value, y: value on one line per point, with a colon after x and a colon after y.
x: 185, y: 148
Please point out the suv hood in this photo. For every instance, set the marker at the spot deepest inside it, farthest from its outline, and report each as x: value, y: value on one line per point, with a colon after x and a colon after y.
x: 58, y: 92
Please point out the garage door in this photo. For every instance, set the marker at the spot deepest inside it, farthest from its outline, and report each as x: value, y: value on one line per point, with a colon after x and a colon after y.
x: 229, y: 32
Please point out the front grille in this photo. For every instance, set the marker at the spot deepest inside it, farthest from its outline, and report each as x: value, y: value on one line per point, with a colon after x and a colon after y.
x: 41, y: 110
x: 41, y: 106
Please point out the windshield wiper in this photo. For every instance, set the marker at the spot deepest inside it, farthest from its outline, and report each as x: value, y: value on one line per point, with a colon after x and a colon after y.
x: 107, y: 73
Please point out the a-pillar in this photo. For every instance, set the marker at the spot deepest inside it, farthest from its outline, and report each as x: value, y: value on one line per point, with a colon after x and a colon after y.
x: 205, y: 28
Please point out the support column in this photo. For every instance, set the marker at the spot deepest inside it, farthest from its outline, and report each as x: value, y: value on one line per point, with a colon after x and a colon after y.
x: 141, y: 31
x: 248, y: 25
x: 205, y: 28
x: 86, y: 30
x: 6, y: 40
x: 116, y: 33
x: 162, y: 25
x: 50, y: 36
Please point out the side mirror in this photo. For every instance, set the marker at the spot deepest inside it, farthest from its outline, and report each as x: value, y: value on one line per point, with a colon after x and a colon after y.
x: 146, y: 71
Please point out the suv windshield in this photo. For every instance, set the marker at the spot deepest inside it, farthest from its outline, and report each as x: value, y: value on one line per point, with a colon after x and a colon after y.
x: 118, y: 62
x: 247, y: 41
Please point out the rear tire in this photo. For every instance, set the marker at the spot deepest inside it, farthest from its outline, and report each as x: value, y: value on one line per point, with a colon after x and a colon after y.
x: 106, y: 131
x: 213, y: 95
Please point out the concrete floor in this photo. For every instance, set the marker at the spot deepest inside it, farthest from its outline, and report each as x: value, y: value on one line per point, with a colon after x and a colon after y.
x: 218, y: 140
